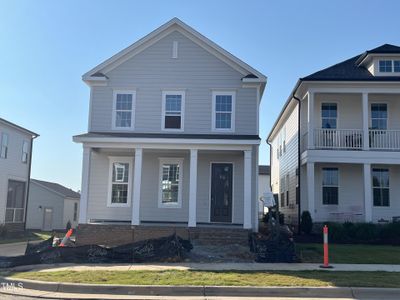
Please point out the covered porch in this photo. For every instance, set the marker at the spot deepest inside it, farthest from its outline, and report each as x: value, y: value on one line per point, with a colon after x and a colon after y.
x: 178, y: 184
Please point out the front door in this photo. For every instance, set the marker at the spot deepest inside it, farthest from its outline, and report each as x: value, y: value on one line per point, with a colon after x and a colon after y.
x: 221, y: 192
x: 48, y: 219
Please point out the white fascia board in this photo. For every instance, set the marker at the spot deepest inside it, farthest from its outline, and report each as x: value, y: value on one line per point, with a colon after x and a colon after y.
x: 160, y: 32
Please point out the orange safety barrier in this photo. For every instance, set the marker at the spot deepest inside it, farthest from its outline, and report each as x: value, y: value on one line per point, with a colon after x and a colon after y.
x: 326, y: 249
x: 66, y: 237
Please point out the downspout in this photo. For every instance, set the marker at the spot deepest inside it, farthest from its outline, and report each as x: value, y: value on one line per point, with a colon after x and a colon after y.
x: 29, y: 180
x: 298, y: 162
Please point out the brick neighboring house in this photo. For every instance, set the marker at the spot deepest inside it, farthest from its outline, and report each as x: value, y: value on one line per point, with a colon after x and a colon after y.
x: 15, y: 169
x: 172, y: 142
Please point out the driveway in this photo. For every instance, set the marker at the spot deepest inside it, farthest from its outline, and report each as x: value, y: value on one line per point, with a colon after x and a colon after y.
x: 12, y: 249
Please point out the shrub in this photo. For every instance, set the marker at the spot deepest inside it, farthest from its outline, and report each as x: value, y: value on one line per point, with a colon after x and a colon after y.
x: 306, y: 223
x: 3, y: 230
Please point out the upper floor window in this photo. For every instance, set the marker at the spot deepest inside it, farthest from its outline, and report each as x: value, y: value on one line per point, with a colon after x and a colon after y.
x: 330, y: 186
x: 329, y: 115
x: 123, y: 109
x: 120, y: 181
x: 25, y: 153
x: 380, y: 186
x: 223, y: 118
x: 173, y: 103
x: 4, y: 145
x: 389, y: 66
x: 379, y: 116
x: 170, y: 194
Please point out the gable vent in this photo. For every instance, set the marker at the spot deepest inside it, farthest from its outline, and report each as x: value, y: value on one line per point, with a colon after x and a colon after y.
x: 175, y: 49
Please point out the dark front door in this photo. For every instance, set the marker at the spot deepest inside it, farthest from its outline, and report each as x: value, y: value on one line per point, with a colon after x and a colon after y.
x: 221, y: 192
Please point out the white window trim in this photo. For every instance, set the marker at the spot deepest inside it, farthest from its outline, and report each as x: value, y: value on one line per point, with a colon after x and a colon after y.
x: 163, y: 100
x: 178, y: 161
x: 337, y: 113
x: 114, y: 109
x: 27, y: 152
x: 387, y: 113
x: 175, y: 49
x: 379, y: 187
x: 112, y: 160
x: 213, y: 117
x: 6, y: 146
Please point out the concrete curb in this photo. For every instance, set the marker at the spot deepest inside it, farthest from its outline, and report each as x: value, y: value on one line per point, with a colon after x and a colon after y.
x: 43, y: 289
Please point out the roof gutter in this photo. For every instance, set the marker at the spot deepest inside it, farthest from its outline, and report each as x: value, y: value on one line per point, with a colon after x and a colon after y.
x: 298, y: 163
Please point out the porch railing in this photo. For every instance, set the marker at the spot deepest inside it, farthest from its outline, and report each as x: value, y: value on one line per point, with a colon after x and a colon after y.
x: 338, y: 139
x: 384, y: 139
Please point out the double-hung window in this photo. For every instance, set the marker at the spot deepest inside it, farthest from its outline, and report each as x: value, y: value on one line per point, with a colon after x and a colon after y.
x: 173, y: 106
x: 330, y: 186
x: 329, y: 115
x: 223, y: 118
x: 123, y: 109
x: 25, y: 153
x: 379, y: 116
x: 120, y: 181
x: 170, y: 189
x: 4, y: 145
x: 396, y: 65
x: 380, y: 186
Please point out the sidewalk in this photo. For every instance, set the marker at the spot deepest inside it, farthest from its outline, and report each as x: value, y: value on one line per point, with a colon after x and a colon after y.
x: 210, y: 267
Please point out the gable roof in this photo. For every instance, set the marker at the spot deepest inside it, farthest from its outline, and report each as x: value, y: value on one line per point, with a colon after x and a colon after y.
x: 34, y: 135
x: 57, y: 188
x: 264, y: 170
x: 351, y: 70
x: 97, y: 73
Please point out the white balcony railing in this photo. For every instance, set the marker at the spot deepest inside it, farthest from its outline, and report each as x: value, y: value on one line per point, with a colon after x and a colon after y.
x: 384, y: 139
x: 338, y: 139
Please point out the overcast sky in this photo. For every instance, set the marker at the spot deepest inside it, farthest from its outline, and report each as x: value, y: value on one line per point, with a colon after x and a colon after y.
x: 45, y: 47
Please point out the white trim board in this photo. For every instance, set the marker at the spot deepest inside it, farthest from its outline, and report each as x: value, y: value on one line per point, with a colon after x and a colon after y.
x: 128, y: 160
x: 170, y: 160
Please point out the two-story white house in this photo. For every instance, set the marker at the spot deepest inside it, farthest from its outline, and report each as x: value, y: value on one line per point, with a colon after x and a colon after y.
x: 172, y: 142
x: 15, y: 169
x: 341, y: 128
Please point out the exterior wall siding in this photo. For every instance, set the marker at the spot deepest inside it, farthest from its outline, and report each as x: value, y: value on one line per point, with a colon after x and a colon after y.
x: 195, y: 71
x: 69, y: 212
x: 12, y: 167
x: 39, y: 196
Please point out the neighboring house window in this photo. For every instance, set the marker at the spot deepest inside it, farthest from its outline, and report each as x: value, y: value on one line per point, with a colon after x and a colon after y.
x: 15, y: 209
x: 175, y: 49
x: 287, y: 190
x: 329, y: 115
x: 396, y: 65
x: 330, y: 186
x: 170, y: 193
x: 380, y: 185
x: 124, y: 104
x: 120, y: 181
x: 223, y: 117
x: 75, y: 211
x: 25, y: 147
x: 282, y: 191
x: 379, y: 116
x: 4, y: 145
x: 173, y: 107
x: 282, y: 142
x: 385, y: 66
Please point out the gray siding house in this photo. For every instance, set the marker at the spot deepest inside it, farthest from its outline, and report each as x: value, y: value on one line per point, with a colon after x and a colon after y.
x: 51, y: 206
x: 15, y: 168
x: 172, y: 142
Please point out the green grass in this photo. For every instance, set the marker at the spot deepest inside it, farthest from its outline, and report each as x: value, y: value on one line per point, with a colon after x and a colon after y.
x: 221, y: 278
x: 25, y: 237
x: 350, y: 254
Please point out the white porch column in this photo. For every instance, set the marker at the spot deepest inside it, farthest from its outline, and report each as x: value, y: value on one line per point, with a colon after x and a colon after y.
x: 367, y: 193
x: 247, y: 190
x: 310, y: 120
x: 137, y: 180
x: 365, y: 121
x: 310, y: 188
x: 193, y: 188
x: 83, y: 205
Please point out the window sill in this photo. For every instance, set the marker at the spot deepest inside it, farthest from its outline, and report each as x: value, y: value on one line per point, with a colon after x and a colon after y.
x: 118, y: 205
x: 178, y: 205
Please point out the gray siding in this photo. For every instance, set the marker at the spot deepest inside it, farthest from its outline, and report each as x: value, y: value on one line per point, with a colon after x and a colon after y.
x: 195, y: 70
x: 12, y: 167
x: 149, y: 210
x: 39, y: 196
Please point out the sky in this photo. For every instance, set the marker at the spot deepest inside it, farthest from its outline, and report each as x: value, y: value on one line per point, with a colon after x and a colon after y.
x: 46, y: 46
